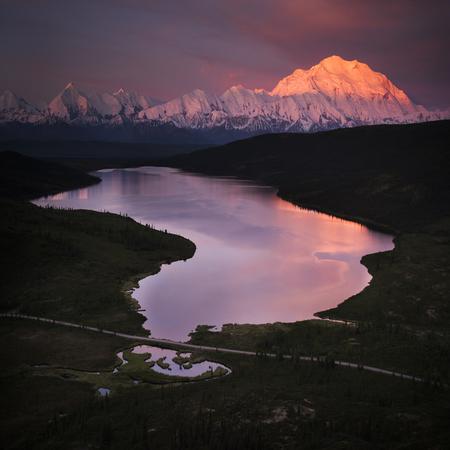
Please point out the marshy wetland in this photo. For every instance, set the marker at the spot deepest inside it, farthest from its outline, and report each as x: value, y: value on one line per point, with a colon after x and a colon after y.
x: 141, y: 364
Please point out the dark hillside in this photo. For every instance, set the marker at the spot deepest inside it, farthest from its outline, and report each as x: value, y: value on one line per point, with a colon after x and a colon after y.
x: 22, y: 177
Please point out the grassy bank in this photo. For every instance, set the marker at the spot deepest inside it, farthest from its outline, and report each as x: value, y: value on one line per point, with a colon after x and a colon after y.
x: 73, y: 265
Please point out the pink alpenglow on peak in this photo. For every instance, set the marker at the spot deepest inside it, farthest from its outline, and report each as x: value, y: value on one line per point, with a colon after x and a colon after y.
x: 86, y: 107
x: 334, y: 93
x: 335, y: 76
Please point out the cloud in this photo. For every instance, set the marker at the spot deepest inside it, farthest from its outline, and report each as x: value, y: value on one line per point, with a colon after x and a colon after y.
x: 166, y: 48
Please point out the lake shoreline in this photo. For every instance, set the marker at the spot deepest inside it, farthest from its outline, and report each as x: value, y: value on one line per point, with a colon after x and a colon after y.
x: 293, y: 227
x: 372, y: 225
x: 332, y: 314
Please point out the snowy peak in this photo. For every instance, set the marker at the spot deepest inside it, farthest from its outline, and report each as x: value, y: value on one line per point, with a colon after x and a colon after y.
x: 337, y: 65
x: 197, y: 100
x: 69, y: 103
x: 238, y: 101
x: 16, y: 109
x: 132, y: 102
x: 10, y: 101
x: 75, y: 105
x: 187, y: 111
x: 333, y: 93
x: 337, y: 77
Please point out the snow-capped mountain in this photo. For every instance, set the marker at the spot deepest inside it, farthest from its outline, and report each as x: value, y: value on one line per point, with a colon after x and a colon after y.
x: 75, y: 106
x: 334, y: 93
x: 133, y: 103
x: 16, y: 109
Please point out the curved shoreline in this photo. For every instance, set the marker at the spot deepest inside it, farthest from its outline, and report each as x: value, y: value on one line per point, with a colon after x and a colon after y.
x: 371, y: 225
x: 132, y: 283
x: 375, y: 226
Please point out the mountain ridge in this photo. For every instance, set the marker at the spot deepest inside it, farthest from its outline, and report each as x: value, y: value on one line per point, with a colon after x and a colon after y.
x: 335, y: 93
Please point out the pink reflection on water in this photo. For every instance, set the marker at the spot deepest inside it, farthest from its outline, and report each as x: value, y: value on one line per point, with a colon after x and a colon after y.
x: 58, y: 197
x: 259, y: 258
x: 83, y: 194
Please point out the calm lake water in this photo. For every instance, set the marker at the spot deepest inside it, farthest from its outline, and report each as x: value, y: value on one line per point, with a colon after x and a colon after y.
x: 259, y: 259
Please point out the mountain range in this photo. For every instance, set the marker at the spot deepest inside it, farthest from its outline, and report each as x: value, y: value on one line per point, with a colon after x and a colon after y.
x: 332, y: 94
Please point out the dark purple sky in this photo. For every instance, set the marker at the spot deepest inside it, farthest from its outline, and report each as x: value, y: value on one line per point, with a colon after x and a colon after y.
x: 165, y: 48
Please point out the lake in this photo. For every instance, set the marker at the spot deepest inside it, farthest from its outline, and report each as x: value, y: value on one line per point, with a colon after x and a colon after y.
x: 259, y: 258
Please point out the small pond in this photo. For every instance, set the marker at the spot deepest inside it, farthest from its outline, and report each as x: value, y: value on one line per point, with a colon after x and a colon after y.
x: 173, y: 363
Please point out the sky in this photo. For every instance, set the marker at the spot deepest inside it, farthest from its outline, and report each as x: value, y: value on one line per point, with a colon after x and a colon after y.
x: 165, y: 48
